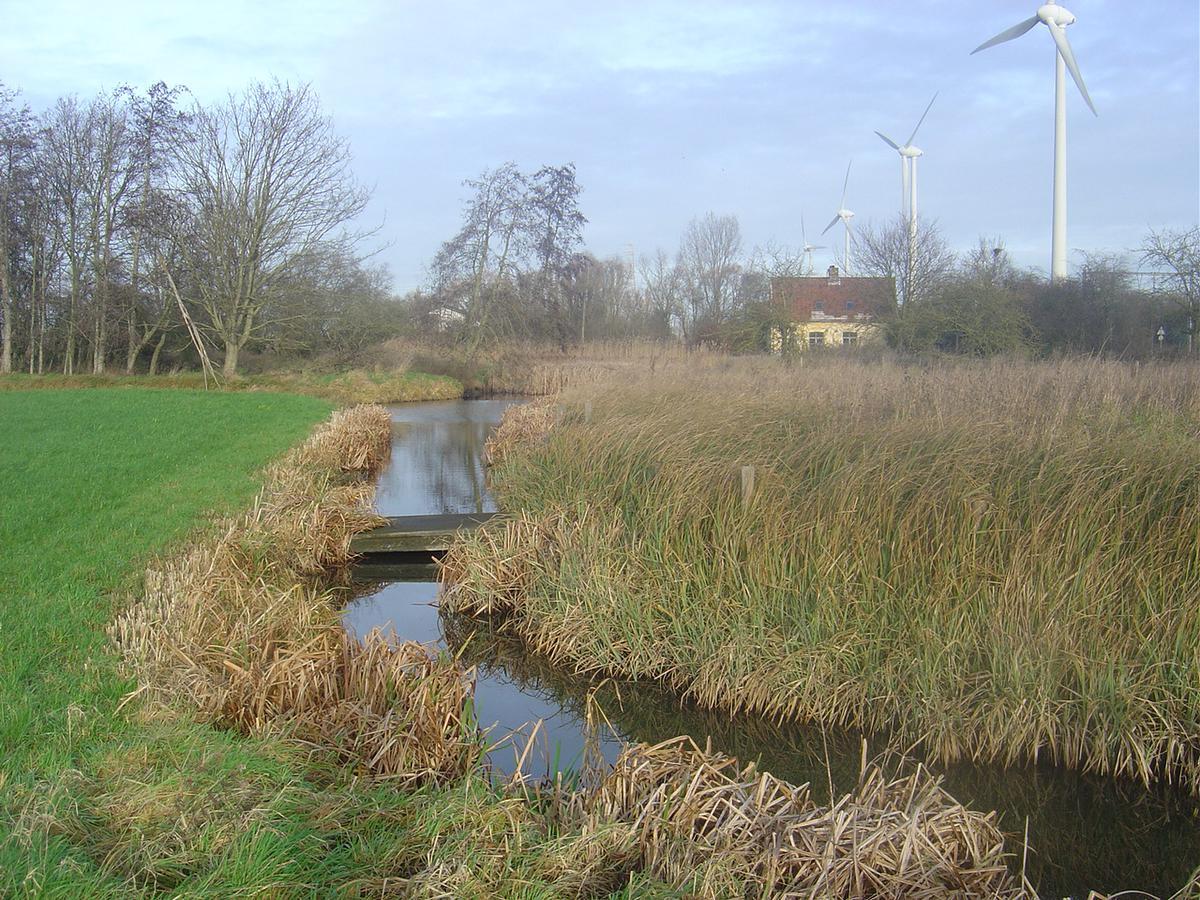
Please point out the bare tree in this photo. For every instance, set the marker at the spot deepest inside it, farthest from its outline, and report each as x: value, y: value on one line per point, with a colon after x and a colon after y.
x: 105, y: 192
x: 265, y: 180
x: 556, y: 226
x: 472, y: 267
x: 156, y: 125
x: 68, y: 161
x: 16, y: 149
x: 1175, y: 254
x: 708, y: 258
x: 919, y: 266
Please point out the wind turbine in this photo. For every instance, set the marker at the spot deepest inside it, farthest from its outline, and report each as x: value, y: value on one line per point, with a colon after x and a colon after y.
x: 1056, y: 19
x: 908, y: 172
x: 844, y: 216
x: 806, y: 253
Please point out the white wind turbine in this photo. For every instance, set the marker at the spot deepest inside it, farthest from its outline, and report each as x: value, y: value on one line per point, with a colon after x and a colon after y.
x: 844, y: 216
x: 1056, y: 19
x: 908, y: 173
x: 806, y: 253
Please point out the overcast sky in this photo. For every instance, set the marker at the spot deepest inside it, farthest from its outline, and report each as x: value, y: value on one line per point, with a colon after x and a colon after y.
x: 672, y: 109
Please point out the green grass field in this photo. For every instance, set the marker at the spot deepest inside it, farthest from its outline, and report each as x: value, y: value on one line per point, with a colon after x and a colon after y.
x: 353, y: 386
x: 92, y: 483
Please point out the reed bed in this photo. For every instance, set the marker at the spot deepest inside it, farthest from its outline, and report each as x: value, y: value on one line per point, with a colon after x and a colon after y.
x: 527, y: 424
x: 998, y: 561
x: 244, y: 625
x: 701, y: 820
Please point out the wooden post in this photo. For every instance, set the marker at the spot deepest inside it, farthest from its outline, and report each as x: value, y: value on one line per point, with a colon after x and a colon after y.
x: 747, y: 484
x: 587, y: 412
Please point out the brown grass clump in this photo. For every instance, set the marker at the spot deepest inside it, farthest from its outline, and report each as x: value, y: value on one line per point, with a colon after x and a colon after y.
x: 521, y: 426
x: 702, y: 821
x: 236, y: 624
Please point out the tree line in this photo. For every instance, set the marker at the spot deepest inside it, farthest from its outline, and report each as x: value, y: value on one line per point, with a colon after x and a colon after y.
x: 137, y: 225
x: 144, y: 229
x: 517, y: 269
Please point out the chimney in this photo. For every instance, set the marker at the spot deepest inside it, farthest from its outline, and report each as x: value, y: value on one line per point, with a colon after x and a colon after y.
x: 833, y: 275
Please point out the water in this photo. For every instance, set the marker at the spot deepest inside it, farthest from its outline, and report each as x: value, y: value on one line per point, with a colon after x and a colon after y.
x: 1085, y: 832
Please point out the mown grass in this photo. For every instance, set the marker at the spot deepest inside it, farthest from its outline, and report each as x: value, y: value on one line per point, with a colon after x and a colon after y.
x: 92, y: 483
x: 997, y: 561
x: 351, y: 386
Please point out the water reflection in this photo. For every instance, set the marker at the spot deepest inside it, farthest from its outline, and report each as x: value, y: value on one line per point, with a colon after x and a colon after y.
x: 1085, y: 833
x: 437, y: 458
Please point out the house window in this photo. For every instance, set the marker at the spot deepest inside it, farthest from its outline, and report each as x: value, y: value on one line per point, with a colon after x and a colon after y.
x: 849, y: 306
x: 816, y: 339
x: 849, y: 338
x: 819, y: 306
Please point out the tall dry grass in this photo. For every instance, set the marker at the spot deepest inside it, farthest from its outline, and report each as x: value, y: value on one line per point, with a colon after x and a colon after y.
x: 697, y: 816
x: 244, y: 626
x: 1000, y: 561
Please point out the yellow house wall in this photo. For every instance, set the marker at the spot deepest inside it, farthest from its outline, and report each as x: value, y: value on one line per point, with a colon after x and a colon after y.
x: 832, y: 331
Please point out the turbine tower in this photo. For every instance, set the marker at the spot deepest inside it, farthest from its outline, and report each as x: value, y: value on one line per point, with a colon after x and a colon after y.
x: 806, y: 252
x: 1056, y: 19
x: 844, y: 216
x: 908, y: 173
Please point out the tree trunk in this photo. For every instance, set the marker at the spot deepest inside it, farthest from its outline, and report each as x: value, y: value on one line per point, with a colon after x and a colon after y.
x: 6, y: 311
x: 157, y: 350
x: 229, y: 369
x: 69, y: 356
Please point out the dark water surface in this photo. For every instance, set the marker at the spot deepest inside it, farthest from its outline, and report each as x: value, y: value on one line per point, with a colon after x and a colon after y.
x: 1085, y: 833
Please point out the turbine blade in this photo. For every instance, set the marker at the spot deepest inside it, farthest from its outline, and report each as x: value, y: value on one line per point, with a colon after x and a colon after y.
x: 846, y: 184
x: 923, y: 115
x: 819, y: 247
x: 803, y: 236
x: 1011, y: 34
x: 887, y: 140
x: 835, y: 220
x: 1064, y: 47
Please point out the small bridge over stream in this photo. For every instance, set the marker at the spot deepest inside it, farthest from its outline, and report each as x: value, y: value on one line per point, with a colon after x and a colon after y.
x: 415, y: 538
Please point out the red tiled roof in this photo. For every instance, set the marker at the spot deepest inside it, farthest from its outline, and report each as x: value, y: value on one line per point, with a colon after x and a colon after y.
x: 817, y: 297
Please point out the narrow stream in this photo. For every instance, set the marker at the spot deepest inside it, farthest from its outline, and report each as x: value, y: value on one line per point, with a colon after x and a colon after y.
x: 1085, y: 833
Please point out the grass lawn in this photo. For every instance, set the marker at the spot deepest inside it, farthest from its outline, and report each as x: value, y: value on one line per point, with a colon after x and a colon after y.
x: 92, y: 482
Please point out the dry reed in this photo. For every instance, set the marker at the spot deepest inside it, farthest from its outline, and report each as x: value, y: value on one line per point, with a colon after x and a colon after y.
x: 524, y: 426
x: 699, y: 819
x: 998, y: 560
x: 239, y: 625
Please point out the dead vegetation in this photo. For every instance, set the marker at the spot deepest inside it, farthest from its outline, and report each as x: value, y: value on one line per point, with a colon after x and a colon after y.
x: 241, y: 624
x: 701, y: 821
x: 526, y: 425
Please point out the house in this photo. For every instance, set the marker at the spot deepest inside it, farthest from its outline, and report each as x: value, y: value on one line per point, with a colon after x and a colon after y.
x: 830, y: 310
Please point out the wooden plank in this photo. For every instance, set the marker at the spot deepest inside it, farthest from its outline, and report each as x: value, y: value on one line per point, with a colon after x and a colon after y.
x: 412, y: 534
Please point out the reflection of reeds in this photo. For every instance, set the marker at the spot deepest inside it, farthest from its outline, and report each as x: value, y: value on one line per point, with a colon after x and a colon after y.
x: 997, y: 560
x: 238, y: 625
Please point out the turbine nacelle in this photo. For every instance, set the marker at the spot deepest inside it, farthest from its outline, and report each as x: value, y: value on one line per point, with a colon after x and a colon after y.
x: 1053, y: 14
x: 911, y: 152
x: 845, y: 214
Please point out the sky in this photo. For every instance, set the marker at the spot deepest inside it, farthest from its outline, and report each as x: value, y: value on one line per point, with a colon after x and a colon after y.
x: 670, y: 109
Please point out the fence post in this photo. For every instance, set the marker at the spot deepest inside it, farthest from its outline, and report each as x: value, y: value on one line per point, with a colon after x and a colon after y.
x: 587, y: 412
x: 747, y: 484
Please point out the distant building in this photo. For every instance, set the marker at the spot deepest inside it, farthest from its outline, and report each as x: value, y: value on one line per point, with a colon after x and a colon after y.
x: 830, y: 310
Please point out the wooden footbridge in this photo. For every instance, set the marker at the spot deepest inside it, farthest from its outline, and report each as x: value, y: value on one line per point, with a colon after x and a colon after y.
x: 414, y: 538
